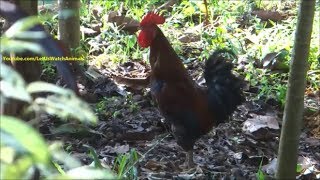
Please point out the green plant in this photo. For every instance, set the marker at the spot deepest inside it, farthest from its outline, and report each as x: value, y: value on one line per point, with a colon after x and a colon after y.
x: 13, y: 40
x: 260, y: 175
x: 25, y: 155
x: 132, y: 105
x: 96, y: 162
x: 124, y: 165
x: 24, y: 152
x: 101, y: 106
x: 48, y: 71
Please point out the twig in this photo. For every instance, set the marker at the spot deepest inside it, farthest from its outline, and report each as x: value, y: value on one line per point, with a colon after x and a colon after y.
x: 144, y: 155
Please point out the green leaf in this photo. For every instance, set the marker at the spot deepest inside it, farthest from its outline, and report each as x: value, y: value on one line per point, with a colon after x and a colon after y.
x: 63, y: 157
x: 71, y: 128
x: 12, y: 84
x: 260, y: 175
x: 39, y: 86
x: 64, y: 107
x: 59, y: 177
x: 11, y: 142
x: 59, y: 168
x: 23, y: 138
x: 188, y: 10
x: 299, y: 168
x: 15, y: 38
x: 86, y: 172
x: 93, y: 154
x: 19, y: 169
x: 34, y: 35
x: 17, y: 46
x: 63, y: 103
x: 21, y: 26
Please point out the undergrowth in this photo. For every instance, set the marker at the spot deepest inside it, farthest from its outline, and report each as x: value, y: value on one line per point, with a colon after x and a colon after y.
x: 232, y: 26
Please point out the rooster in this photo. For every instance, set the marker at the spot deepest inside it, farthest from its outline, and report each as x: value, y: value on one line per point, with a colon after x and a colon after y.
x: 191, y: 110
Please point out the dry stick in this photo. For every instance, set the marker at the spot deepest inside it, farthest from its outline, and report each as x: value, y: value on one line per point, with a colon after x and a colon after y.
x: 144, y: 155
x: 207, y: 13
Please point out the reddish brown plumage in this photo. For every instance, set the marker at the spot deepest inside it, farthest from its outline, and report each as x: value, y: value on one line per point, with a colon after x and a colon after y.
x: 190, y: 109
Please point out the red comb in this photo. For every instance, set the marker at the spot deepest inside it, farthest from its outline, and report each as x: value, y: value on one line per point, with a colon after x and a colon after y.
x: 152, y: 18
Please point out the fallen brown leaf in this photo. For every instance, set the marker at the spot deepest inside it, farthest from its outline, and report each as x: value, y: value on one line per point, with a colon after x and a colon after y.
x: 268, y: 15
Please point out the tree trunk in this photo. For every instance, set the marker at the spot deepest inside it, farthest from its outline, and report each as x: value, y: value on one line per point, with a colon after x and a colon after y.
x: 293, y: 112
x: 30, y: 6
x: 29, y: 70
x: 69, y: 32
x: 69, y: 27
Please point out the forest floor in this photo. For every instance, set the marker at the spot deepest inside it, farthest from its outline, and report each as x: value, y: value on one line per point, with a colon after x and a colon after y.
x: 132, y: 139
x: 129, y: 119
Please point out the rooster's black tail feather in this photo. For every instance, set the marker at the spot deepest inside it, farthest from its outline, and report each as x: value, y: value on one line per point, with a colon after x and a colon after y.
x: 224, y: 88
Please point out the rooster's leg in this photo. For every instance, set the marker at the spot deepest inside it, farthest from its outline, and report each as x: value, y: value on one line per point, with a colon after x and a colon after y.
x: 189, y: 160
